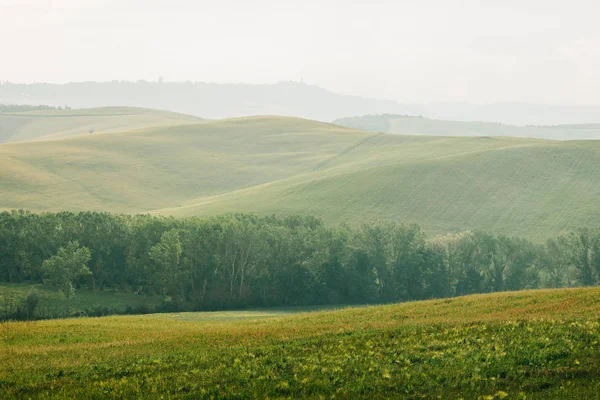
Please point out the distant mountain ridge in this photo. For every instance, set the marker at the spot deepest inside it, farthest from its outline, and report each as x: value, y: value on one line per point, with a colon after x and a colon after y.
x: 216, y: 101
x: 207, y: 100
x: 418, y: 125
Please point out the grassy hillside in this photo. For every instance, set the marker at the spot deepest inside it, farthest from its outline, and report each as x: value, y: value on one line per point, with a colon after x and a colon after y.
x: 49, y: 124
x: 534, y: 188
x: 407, y: 125
x: 153, y: 168
x: 535, y: 344
x: 513, y: 186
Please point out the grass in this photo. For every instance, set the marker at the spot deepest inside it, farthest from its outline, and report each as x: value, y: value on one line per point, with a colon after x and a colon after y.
x: 51, y: 124
x: 150, y: 169
x: 534, y: 344
x: 527, y: 187
x: 433, y: 127
x: 53, y: 303
x: 524, y: 187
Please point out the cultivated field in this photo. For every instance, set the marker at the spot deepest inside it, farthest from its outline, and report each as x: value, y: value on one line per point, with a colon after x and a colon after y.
x: 520, y: 345
x: 52, y: 124
x: 526, y: 187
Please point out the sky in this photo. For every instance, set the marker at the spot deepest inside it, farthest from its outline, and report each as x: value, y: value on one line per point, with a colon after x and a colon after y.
x: 484, y: 51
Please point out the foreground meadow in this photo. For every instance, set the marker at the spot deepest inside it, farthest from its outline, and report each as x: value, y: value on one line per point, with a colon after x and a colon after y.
x: 535, y: 344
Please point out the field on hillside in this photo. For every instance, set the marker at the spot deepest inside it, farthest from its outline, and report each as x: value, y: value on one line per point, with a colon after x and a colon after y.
x: 520, y: 345
x: 52, y: 124
x: 154, y: 168
x: 527, y: 187
x: 407, y: 125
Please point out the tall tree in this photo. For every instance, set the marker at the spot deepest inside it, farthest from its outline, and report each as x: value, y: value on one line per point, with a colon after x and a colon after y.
x: 64, y: 268
x: 583, y: 250
x: 167, y: 256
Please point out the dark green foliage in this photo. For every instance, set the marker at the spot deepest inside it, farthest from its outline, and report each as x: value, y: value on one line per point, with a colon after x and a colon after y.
x: 67, y: 266
x: 247, y: 261
x: 23, y: 309
x: 30, y: 303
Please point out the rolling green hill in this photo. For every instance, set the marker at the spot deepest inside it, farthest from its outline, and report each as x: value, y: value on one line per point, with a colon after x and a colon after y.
x: 49, y: 124
x: 528, y: 187
x: 408, y: 125
x: 533, y: 344
x: 514, y: 186
x: 154, y: 168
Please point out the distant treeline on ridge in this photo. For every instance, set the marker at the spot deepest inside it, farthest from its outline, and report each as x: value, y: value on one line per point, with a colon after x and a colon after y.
x: 15, y: 108
x: 245, y: 260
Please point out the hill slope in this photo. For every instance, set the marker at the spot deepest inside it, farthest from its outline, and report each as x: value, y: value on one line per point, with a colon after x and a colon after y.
x: 534, y: 188
x: 154, y: 168
x: 409, y: 125
x: 513, y: 186
x: 50, y: 124
x: 534, y: 344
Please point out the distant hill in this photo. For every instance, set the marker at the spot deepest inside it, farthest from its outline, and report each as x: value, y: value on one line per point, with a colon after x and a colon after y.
x: 520, y: 114
x: 533, y: 188
x: 208, y: 100
x: 49, y: 124
x: 216, y: 101
x: 416, y: 125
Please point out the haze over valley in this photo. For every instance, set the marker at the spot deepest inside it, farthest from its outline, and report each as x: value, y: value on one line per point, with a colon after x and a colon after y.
x: 289, y: 98
x: 299, y: 199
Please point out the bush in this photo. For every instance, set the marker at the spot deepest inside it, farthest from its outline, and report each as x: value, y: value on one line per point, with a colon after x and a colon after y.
x: 141, y: 309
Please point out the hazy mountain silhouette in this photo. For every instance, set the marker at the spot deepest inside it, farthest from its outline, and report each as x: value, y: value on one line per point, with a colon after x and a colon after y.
x: 208, y: 100
x: 213, y: 100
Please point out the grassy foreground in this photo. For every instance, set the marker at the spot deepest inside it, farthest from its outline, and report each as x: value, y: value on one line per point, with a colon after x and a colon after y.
x: 535, y: 344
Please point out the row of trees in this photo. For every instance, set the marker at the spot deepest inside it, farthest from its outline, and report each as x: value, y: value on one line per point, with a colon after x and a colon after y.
x: 13, y: 108
x: 245, y: 260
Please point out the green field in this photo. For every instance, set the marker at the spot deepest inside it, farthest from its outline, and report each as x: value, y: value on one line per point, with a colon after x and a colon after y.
x: 519, y: 345
x: 155, y: 168
x: 527, y: 187
x: 408, y: 125
x: 52, y: 124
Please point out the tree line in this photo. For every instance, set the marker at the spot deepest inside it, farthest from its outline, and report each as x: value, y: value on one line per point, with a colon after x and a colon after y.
x: 246, y: 260
x: 15, y: 108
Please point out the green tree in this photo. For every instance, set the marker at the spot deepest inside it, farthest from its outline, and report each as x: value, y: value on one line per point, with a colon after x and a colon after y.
x: 408, y: 268
x: 64, y: 268
x: 241, y: 249
x: 200, y: 238
x: 167, y: 255
x: 583, y: 250
x: 376, y: 241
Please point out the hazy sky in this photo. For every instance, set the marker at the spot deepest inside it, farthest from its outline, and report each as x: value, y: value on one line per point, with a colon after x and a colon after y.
x: 545, y: 51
